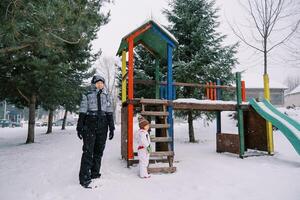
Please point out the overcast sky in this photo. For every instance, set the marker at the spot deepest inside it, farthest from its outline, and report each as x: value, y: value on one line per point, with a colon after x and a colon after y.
x: 127, y: 15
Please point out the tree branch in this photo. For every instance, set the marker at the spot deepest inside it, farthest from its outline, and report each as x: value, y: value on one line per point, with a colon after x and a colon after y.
x: 255, y: 21
x: 10, y: 49
x: 64, y: 40
x: 26, y: 98
x: 286, y: 38
x: 242, y: 38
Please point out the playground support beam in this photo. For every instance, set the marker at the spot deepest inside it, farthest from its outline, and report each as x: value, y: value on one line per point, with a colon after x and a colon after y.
x: 240, y: 114
x: 218, y: 97
x: 124, y: 82
x: 130, y: 97
x: 170, y: 93
x: 269, y: 125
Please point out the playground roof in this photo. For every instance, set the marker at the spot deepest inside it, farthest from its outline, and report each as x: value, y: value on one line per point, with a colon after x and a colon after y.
x: 153, y: 36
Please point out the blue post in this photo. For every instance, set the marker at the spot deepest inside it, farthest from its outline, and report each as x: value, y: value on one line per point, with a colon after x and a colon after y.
x: 219, y: 112
x: 170, y: 93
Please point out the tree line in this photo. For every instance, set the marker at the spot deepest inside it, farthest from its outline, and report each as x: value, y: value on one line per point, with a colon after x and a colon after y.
x: 46, y: 52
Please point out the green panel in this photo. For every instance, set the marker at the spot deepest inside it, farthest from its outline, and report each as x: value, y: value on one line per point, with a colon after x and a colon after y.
x: 280, y: 124
x: 154, y: 42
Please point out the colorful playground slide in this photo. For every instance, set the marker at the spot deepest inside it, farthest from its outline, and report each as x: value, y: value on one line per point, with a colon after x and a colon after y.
x: 288, y: 126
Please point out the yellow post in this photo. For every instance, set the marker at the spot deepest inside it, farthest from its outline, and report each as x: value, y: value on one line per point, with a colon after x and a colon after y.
x: 124, y: 75
x: 269, y: 125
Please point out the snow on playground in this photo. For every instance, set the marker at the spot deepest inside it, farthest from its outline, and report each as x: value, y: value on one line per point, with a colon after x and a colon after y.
x: 48, y: 169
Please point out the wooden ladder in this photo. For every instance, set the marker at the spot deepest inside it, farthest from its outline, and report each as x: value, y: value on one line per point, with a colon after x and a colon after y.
x: 161, y: 112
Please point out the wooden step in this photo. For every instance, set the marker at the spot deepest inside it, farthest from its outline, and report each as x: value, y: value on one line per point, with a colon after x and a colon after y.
x: 152, y: 113
x: 161, y: 139
x: 154, y: 101
x: 159, y: 125
x: 161, y: 153
x: 152, y: 160
x: 153, y: 170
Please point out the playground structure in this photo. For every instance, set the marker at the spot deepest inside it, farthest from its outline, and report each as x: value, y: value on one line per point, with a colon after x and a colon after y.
x: 252, y: 118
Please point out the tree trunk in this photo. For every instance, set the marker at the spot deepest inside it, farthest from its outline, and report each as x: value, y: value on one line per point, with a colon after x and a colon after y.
x: 50, y: 121
x: 191, y: 127
x: 63, y: 127
x: 31, y: 121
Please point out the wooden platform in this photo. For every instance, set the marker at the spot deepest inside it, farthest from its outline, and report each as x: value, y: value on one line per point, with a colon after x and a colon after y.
x: 161, y: 170
x: 203, y: 105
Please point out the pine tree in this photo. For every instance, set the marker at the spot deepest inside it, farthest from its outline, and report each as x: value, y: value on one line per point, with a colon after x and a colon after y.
x: 44, y: 44
x: 201, y: 55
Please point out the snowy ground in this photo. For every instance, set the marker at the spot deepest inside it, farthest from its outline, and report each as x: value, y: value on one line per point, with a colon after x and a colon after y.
x: 48, y: 169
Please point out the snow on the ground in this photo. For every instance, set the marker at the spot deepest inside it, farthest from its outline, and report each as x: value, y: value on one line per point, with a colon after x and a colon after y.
x: 48, y: 169
x: 279, y: 118
x: 292, y: 112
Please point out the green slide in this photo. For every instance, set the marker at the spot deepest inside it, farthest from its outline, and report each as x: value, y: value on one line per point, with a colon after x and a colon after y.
x: 288, y: 126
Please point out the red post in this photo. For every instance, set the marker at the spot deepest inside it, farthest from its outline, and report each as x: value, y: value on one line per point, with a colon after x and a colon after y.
x: 130, y: 97
x: 130, y: 41
x: 207, y: 90
x: 211, y: 91
x: 243, y: 91
x: 215, y: 92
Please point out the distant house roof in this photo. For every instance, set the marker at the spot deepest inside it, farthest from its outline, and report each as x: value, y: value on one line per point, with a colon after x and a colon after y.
x: 255, y: 81
x: 153, y: 37
x: 294, y: 91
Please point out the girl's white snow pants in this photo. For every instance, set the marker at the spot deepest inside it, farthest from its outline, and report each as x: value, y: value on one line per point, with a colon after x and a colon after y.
x: 143, y: 156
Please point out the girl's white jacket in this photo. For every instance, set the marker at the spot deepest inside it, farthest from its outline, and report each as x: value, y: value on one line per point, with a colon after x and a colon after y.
x: 143, y: 139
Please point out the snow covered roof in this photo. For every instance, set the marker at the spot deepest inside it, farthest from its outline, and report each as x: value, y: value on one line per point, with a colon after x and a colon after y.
x: 294, y: 91
x: 255, y: 81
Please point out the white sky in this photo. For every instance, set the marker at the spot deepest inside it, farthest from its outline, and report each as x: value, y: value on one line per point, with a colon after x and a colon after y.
x: 127, y: 15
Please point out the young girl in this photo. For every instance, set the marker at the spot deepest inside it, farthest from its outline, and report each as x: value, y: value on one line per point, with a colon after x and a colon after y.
x: 144, y: 147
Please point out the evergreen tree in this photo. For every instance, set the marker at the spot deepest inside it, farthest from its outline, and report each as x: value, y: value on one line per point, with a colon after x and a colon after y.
x: 201, y: 55
x: 42, y: 45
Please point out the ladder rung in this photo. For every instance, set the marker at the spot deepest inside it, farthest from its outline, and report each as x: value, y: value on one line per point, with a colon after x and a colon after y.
x: 162, y: 153
x: 152, y: 113
x: 159, y: 125
x: 161, y: 139
x: 154, y: 101
x: 161, y: 170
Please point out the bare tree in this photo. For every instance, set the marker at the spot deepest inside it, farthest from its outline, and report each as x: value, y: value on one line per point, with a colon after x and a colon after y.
x: 292, y: 82
x: 269, y: 16
x: 293, y: 45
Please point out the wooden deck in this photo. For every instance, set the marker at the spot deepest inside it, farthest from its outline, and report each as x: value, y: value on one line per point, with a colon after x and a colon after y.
x: 203, y: 105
